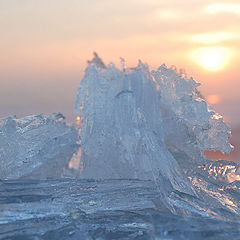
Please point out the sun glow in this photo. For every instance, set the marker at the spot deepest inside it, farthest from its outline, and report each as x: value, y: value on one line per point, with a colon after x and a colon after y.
x: 212, y: 58
x: 213, y: 99
x: 213, y: 37
x: 166, y: 14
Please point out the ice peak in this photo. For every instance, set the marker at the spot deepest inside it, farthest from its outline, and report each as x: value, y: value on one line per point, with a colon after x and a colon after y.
x: 125, y: 109
x: 97, y: 61
x: 123, y: 64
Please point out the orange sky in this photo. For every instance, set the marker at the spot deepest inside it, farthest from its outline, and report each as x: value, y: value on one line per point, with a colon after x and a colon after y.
x: 44, y: 46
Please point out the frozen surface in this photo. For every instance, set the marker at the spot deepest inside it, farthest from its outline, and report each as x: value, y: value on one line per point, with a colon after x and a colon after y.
x: 35, y: 146
x: 106, y: 210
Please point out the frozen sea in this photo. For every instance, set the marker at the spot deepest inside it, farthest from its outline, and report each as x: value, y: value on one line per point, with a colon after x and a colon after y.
x: 90, y: 209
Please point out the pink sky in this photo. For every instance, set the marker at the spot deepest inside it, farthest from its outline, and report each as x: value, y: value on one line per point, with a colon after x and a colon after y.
x: 45, y: 45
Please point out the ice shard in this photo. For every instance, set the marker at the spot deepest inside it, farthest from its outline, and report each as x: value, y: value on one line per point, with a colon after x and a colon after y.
x: 36, y: 146
x: 190, y: 124
x: 137, y: 123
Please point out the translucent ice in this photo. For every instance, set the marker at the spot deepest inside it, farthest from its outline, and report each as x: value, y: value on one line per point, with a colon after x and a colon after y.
x: 35, y: 146
x: 190, y: 124
x: 67, y: 209
x: 146, y: 125
x: 119, y: 137
x: 120, y: 109
x: 133, y: 123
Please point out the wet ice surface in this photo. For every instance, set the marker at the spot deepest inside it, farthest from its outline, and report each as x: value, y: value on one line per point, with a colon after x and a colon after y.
x: 106, y: 209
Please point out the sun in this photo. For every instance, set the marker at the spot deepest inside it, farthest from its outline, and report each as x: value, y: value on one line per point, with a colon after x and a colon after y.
x: 212, y: 58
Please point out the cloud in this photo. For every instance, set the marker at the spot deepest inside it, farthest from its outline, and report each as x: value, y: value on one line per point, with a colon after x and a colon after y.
x: 213, y: 37
x: 166, y: 14
x: 216, y: 8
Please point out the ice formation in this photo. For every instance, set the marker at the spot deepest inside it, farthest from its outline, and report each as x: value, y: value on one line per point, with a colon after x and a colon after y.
x: 73, y: 209
x: 35, y: 146
x: 133, y: 124
x: 146, y: 125
x: 190, y: 124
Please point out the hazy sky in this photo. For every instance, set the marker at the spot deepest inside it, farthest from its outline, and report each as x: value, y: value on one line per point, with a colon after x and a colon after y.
x: 44, y: 46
